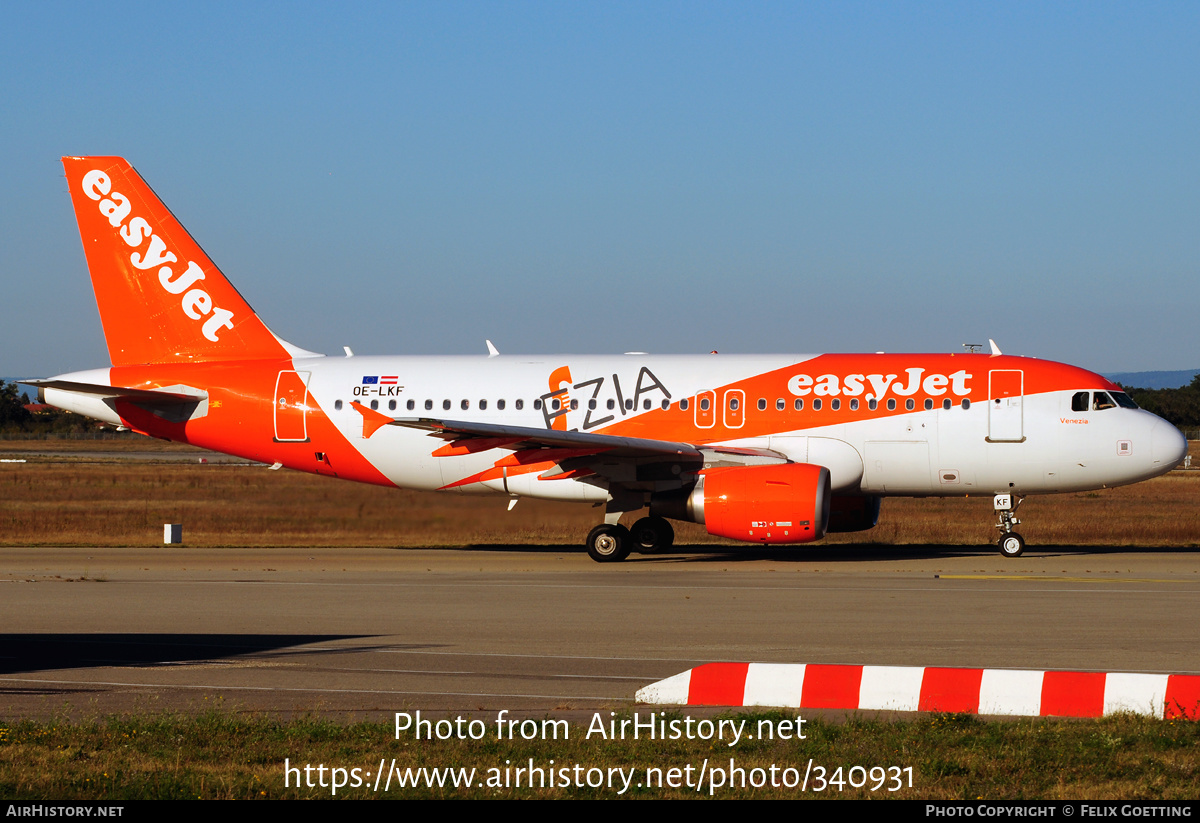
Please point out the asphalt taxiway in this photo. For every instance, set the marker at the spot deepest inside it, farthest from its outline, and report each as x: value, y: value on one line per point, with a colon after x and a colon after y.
x: 369, y: 632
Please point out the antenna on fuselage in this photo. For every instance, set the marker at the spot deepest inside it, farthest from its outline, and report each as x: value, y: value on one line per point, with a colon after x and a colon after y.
x: 973, y: 348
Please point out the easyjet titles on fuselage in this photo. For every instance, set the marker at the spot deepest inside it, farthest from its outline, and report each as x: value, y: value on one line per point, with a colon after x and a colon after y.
x: 877, y: 385
x: 196, y: 303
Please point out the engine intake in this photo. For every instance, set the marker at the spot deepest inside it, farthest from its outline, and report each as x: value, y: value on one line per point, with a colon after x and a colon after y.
x: 782, y: 503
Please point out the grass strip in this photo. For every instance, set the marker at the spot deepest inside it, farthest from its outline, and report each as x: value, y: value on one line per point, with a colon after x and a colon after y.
x: 225, y: 755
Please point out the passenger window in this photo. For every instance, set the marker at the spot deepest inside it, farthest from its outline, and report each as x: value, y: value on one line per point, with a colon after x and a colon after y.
x: 909, y: 404
x: 762, y: 404
x: 537, y: 404
x: 391, y: 405
x: 817, y: 404
x: 683, y: 404
x: 854, y: 404
x: 466, y: 404
x: 446, y: 405
x: 872, y: 404
x: 780, y: 404
x: 966, y: 404
x: 928, y: 404
x: 666, y: 404
x: 628, y: 405
x: 835, y: 404
x: 1079, y: 401
x: 946, y: 404
x: 500, y: 405
x: 374, y: 405
x: 412, y: 404
x: 591, y: 405
x: 703, y: 404
x: 891, y: 404
x: 555, y: 405
x: 733, y: 404
x: 428, y: 405
x: 799, y: 404
x: 574, y: 405
x: 646, y: 403
x: 337, y: 405
x: 520, y: 404
x: 483, y: 405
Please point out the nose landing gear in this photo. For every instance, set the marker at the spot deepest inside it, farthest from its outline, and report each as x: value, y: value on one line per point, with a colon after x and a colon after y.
x: 1010, y: 543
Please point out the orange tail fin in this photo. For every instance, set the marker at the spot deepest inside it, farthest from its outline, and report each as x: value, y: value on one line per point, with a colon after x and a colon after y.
x: 161, y: 299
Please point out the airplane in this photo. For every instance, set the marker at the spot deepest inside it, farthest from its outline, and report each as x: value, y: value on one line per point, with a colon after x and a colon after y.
x: 774, y: 449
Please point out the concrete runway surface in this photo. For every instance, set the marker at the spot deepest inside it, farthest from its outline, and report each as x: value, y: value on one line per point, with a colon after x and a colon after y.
x: 367, y: 632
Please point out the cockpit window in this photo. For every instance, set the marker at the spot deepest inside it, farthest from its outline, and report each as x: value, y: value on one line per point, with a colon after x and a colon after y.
x: 1123, y: 400
x: 1101, y: 401
x: 1079, y: 402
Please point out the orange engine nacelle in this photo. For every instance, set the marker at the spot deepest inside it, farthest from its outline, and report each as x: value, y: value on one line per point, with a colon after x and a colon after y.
x: 787, y: 503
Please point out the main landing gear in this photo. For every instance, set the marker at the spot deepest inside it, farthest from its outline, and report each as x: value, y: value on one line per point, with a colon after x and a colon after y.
x: 1010, y: 543
x: 612, y: 542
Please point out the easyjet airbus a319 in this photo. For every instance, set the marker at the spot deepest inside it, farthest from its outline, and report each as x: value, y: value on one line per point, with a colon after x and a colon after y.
x: 763, y: 449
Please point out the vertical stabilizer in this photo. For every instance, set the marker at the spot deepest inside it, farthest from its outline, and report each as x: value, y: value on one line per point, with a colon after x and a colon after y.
x: 161, y: 299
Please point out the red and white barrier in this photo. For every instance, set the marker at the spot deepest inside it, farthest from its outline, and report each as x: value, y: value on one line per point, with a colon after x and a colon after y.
x: 930, y: 689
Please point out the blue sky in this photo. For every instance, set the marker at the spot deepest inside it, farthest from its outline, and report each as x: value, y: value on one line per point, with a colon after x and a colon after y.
x: 603, y: 177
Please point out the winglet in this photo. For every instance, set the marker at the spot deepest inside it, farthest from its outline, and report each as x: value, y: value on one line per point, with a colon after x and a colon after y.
x: 373, y: 421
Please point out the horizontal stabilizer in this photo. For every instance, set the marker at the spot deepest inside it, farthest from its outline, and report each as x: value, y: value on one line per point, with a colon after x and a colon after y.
x: 143, y: 397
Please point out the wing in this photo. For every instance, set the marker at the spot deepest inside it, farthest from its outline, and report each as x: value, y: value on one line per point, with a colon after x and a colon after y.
x: 521, y: 438
x: 632, y: 462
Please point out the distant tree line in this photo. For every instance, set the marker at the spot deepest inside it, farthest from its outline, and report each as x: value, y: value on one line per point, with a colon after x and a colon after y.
x: 13, y: 414
x: 1179, y: 406
x: 16, y: 419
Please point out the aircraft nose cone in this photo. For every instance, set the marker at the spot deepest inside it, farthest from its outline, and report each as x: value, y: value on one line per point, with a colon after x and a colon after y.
x: 1167, y: 446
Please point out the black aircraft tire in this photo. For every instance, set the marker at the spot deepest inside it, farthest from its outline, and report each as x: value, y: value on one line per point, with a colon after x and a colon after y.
x: 652, y: 534
x: 1011, y: 545
x: 608, y: 544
